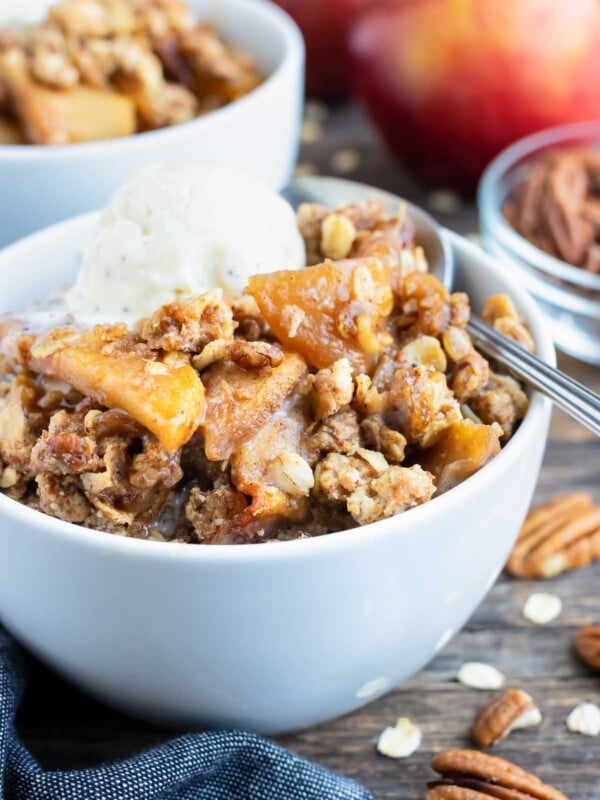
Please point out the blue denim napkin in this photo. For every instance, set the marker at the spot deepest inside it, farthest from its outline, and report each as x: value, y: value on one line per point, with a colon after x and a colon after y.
x: 223, y: 765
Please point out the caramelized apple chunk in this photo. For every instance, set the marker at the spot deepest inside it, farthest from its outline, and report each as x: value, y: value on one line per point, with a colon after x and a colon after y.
x: 79, y: 114
x: 271, y: 469
x: 167, y: 397
x: 342, y: 309
x: 240, y: 401
x: 462, y: 449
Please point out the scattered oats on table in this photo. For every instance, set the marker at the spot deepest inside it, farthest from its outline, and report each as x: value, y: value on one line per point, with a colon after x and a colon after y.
x: 585, y: 719
x: 401, y: 740
x: 477, y: 675
x: 542, y: 608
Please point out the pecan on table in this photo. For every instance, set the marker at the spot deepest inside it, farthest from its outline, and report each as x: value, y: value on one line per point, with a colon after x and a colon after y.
x: 559, y: 536
x: 509, y: 711
x: 471, y: 775
x: 587, y: 645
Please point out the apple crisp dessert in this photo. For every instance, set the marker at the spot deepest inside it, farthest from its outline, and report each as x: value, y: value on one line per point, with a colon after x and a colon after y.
x: 324, y: 398
x: 101, y: 69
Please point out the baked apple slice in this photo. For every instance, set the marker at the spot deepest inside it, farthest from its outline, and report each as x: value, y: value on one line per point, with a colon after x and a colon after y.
x: 333, y: 310
x: 167, y: 397
x: 240, y: 401
x: 462, y: 449
x: 66, y: 116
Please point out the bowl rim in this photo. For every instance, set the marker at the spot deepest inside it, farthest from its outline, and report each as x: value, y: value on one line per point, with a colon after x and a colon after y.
x: 14, y: 513
x: 488, y: 201
x: 293, y: 54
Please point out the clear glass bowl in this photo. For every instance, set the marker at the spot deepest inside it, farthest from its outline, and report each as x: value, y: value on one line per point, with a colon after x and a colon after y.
x: 569, y: 296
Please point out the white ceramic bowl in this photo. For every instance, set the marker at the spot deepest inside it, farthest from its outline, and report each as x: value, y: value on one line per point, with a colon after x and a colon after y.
x: 270, y: 637
x: 42, y: 185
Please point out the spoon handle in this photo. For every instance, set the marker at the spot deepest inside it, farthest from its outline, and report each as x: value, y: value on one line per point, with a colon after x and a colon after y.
x: 571, y: 396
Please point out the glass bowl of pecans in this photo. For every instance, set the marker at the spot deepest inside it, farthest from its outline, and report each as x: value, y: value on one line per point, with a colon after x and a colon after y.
x: 539, y: 206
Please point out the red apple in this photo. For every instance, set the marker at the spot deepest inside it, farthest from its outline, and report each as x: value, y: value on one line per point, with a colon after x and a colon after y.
x: 325, y: 25
x: 450, y: 83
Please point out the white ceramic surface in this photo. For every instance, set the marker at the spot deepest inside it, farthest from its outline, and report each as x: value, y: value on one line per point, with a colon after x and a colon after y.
x: 42, y: 185
x: 269, y: 637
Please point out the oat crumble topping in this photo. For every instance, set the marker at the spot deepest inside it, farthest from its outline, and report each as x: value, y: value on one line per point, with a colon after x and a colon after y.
x: 325, y: 398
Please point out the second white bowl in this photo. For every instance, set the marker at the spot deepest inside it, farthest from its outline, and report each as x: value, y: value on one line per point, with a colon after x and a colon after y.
x: 260, y: 132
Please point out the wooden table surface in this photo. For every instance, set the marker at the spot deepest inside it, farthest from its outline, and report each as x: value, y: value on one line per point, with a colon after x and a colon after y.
x: 65, y: 729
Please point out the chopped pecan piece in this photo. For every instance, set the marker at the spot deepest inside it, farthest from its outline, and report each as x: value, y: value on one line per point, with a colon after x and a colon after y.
x: 254, y: 355
x: 471, y: 775
x: 249, y: 322
x: 561, y: 535
x: 510, y: 711
x: 587, y: 645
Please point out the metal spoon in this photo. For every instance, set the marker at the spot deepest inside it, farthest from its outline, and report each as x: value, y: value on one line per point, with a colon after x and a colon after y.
x: 568, y: 394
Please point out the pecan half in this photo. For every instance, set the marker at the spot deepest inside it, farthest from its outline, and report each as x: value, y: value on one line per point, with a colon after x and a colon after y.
x: 509, y: 711
x: 587, y: 645
x: 561, y: 535
x: 471, y: 775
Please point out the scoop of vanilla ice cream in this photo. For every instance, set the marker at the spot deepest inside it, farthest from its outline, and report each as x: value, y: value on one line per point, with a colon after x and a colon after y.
x: 180, y: 230
x: 18, y: 13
